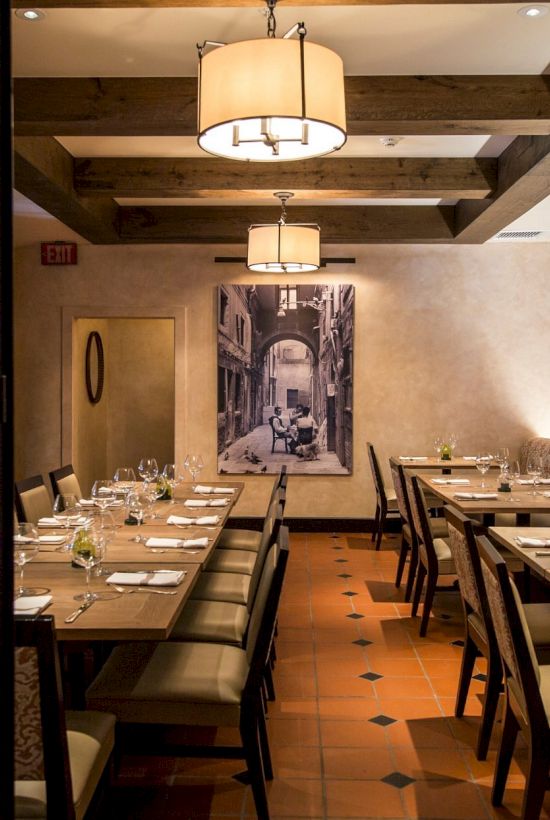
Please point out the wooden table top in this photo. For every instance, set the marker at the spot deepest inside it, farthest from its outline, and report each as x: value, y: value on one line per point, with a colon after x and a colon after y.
x: 520, y: 500
x: 139, y: 616
x: 507, y: 535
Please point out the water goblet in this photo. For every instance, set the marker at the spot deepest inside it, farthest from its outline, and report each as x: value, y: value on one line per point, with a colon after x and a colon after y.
x: 438, y: 444
x: 148, y: 469
x: 25, y: 548
x: 65, y: 509
x: 502, y: 457
x: 171, y: 475
x: 103, y: 493
x: 534, y: 469
x: 514, y: 474
x: 135, y: 513
x: 194, y: 464
x: 88, y: 549
x: 125, y: 479
x: 105, y: 525
x: 483, y: 464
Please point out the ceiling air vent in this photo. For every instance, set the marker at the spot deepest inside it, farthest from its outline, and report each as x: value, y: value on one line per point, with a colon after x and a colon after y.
x: 518, y: 234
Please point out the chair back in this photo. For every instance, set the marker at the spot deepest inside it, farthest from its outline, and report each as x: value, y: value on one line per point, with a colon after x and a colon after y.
x: 64, y: 481
x: 41, y: 751
x: 403, y: 504
x: 305, y: 435
x: 263, y: 618
x: 462, y: 541
x: 32, y: 499
x: 376, y: 474
x: 270, y: 532
x: 421, y: 519
x: 519, y: 660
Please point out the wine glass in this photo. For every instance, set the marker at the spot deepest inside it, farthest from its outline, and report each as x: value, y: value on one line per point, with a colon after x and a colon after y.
x: 88, y: 549
x: 124, y: 479
x: 194, y: 464
x: 502, y: 458
x: 171, y: 475
x: 148, y: 469
x: 135, y: 513
x: 65, y: 508
x: 534, y: 469
x: 103, y: 493
x: 105, y: 525
x: 438, y: 444
x: 483, y: 463
x: 514, y: 474
x: 452, y: 440
x: 25, y: 548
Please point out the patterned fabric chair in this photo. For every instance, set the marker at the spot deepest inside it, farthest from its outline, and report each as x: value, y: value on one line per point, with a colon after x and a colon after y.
x: 434, y: 553
x: 527, y: 685
x: 386, y: 501
x: 32, y: 499
x: 60, y: 757
x: 154, y: 689
x: 408, y: 533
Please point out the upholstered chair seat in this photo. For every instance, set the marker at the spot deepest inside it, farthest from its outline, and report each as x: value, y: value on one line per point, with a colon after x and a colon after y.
x: 215, y: 621
x: 444, y: 556
x: 232, y: 560
x: 236, y: 539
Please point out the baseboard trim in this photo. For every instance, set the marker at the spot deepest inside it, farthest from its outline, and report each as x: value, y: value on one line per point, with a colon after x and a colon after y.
x: 318, y: 524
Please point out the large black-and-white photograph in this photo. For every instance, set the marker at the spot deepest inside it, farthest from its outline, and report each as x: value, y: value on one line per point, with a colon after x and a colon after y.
x: 285, y: 378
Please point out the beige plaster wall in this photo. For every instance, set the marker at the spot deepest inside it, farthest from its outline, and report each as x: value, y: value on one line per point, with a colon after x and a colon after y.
x: 446, y: 337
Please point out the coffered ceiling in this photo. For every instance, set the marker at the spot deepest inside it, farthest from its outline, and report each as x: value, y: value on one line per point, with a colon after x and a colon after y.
x: 105, y: 123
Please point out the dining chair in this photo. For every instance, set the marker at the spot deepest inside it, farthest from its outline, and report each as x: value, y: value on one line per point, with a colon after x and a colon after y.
x: 64, y: 480
x: 32, y: 499
x: 386, y: 501
x: 408, y: 533
x: 60, y: 756
x: 479, y: 634
x: 155, y: 688
x: 526, y: 685
x: 240, y: 587
x: 434, y: 553
x: 242, y: 539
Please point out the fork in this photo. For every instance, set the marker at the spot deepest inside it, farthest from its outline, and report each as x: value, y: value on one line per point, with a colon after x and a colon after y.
x: 126, y: 591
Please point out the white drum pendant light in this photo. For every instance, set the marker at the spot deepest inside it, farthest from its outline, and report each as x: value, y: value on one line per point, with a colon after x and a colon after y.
x: 284, y: 248
x: 270, y: 100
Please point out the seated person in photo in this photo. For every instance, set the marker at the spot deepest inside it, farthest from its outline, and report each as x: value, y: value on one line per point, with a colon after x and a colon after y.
x: 307, y: 427
x: 296, y: 414
x: 280, y: 429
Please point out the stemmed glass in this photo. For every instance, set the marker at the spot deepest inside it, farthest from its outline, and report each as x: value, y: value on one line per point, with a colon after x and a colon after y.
x: 452, y: 440
x: 148, y: 469
x: 135, y: 513
x: 438, y: 444
x: 171, y: 475
x: 483, y: 463
x: 88, y: 549
x: 103, y: 493
x: 502, y: 458
x: 105, y: 526
x: 534, y: 468
x: 125, y: 479
x: 25, y: 548
x: 65, y: 508
x: 514, y: 474
x: 194, y: 464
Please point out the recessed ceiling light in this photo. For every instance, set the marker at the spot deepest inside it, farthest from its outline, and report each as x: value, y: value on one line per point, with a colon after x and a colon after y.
x: 533, y: 11
x: 30, y: 14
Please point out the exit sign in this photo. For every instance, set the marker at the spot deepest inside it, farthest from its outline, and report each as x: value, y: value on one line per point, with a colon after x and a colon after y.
x: 58, y: 253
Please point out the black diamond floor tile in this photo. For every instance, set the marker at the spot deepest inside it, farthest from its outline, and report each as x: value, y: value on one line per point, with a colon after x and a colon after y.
x: 445, y: 617
x: 362, y: 642
x: 398, y: 779
x: 355, y: 615
x: 372, y: 676
x: 341, y: 561
x: 457, y: 643
x: 350, y: 594
x: 480, y: 676
x: 338, y: 548
x: 382, y: 720
x: 345, y: 575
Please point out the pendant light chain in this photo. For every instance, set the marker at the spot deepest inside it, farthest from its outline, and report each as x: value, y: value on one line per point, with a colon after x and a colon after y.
x: 271, y: 22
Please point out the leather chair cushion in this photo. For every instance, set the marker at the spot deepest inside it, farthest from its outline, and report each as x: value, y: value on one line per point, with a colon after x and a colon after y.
x: 240, y: 540
x: 439, y: 528
x: 222, y: 586
x: 172, y: 683
x: 215, y: 621
x: 444, y: 557
x: 232, y: 560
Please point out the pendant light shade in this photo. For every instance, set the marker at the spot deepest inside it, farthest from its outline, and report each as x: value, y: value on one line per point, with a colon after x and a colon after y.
x: 282, y: 247
x: 271, y: 99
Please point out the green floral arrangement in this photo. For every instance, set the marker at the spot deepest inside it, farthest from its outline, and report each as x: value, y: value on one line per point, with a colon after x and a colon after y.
x: 164, y: 490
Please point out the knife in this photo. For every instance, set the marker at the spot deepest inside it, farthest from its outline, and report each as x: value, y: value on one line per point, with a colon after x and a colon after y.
x: 78, y: 612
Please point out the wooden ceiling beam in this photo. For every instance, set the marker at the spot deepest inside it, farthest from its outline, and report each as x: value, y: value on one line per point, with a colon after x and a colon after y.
x: 337, y: 178
x: 151, y: 106
x: 43, y: 172
x: 152, y: 4
x: 339, y: 225
x: 523, y: 182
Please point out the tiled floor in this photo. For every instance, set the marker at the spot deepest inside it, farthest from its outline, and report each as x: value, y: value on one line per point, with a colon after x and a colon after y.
x: 363, y: 724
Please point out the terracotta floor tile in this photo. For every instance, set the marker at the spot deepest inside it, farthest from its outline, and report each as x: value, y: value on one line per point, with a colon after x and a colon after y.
x: 422, y: 733
x: 348, y: 708
x: 438, y: 669
x: 363, y: 798
x: 398, y: 667
x: 285, y: 731
x: 473, y: 705
x: 431, y: 764
x: 330, y: 686
x: 302, y: 762
x: 403, y: 688
x: 293, y: 708
x: 356, y: 763
x: 444, y: 800
x: 410, y: 708
x: 298, y: 686
x: 446, y: 687
x: 352, y: 734
x: 291, y: 798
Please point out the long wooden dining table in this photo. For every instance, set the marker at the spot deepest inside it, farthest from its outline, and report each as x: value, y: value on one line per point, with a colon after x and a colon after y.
x: 143, y: 615
x: 536, y: 557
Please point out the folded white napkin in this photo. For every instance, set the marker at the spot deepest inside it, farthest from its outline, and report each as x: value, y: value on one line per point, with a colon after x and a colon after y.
x: 22, y: 539
x: 413, y: 458
x: 73, y: 520
x: 203, y: 488
x: 47, y: 542
x: 531, y: 481
x: 176, y: 542
x: 201, y: 521
x: 469, y: 458
x: 86, y: 502
x: 450, y: 480
x: 106, y: 491
x: 215, y: 502
x: 48, y: 522
x: 31, y: 604
x: 532, y: 542
x: 475, y: 496
x: 157, y: 578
